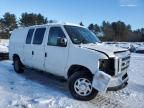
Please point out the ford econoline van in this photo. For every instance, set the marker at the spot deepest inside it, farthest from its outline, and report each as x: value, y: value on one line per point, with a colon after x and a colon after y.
x: 72, y: 52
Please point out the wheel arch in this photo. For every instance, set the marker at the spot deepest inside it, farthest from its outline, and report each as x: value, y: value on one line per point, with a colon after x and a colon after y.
x: 16, y: 56
x: 74, y: 68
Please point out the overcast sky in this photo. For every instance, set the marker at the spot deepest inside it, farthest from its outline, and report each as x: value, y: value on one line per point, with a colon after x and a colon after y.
x: 87, y: 11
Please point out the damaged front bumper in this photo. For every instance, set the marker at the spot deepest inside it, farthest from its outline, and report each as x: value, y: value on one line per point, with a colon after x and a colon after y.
x: 119, y: 87
x: 118, y: 82
x: 104, y: 82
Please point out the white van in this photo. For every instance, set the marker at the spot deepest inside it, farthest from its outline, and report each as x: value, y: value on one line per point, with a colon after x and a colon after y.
x: 72, y: 52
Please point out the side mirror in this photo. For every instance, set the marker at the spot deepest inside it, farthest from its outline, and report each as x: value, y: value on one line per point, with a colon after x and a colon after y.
x: 61, y: 41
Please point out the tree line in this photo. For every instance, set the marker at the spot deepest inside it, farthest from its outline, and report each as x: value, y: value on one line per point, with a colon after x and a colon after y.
x: 9, y: 22
x: 115, y: 31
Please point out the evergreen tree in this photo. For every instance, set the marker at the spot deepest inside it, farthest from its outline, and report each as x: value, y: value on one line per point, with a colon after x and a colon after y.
x: 91, y: 27
x: 29, y: 19
x: 97, y: 28
x: 7, y: 24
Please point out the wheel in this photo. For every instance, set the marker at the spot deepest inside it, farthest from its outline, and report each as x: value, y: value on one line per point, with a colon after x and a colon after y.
x: 18, y: 67
x: 80, y: 86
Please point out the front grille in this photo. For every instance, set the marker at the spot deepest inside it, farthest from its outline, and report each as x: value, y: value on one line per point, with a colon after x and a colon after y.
x: 126, y: 58
x: 122, y: 69
x: 124, y: 63
x: 125, y: 76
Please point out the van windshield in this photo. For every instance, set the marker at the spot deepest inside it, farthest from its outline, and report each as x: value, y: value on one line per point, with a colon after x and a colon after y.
x: 80, y: 35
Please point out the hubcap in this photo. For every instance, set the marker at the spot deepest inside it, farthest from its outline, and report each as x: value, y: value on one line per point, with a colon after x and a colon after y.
x: 83, y: 87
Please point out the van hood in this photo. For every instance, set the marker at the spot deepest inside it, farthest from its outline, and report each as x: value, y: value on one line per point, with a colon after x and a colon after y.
x: 104, y: 48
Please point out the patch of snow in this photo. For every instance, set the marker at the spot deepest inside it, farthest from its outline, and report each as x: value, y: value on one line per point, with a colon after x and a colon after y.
x: 3, y: 49
x: 4, y: 45
x: 4, y: 42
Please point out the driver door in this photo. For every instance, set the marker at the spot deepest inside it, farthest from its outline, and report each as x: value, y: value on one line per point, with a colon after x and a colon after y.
x: 55, y: 55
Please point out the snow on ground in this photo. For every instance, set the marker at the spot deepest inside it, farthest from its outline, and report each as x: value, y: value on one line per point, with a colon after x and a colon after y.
x: 4, y: 45
x: 39, y: 90
x: 3, y: 49
x: 137, y: 45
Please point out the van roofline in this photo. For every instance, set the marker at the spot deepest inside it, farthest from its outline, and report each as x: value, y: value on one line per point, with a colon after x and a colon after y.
x: 49, y: 24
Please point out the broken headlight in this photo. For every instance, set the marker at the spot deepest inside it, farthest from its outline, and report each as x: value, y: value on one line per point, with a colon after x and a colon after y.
x: 107, y: 66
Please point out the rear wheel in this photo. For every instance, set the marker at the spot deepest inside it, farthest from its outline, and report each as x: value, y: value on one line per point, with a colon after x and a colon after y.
x: 18, y: 66
x: 80, y: 86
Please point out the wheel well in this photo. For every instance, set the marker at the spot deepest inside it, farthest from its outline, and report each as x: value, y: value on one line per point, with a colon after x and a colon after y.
x: 15, y: 56
x: 75, y: 68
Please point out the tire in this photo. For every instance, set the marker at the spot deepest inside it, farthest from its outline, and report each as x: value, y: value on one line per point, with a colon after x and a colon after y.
x: 18, y: 66
x: 79, y: 94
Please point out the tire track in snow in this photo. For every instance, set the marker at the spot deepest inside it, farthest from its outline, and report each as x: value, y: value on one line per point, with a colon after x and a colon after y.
x: 102, y: 101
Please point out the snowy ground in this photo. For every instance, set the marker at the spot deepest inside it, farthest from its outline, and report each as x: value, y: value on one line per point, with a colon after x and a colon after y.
x: 3, y: 49
x: 39, y: 90
x: 4, y: 45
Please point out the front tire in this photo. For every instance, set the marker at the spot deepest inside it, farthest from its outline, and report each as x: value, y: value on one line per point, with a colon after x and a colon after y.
x: 18, y: 67
x: 80, y: 86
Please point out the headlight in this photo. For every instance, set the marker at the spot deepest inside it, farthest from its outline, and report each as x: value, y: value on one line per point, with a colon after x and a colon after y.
x: 107, y: 66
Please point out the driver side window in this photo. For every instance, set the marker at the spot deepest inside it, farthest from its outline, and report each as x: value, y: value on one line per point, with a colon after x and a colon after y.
x: 54, y: 34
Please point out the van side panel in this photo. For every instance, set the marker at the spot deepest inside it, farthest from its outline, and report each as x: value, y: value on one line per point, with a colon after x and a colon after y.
x: 16, y: 44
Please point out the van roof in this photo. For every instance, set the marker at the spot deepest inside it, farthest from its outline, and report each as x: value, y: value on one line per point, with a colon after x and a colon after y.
x: 48, y: 24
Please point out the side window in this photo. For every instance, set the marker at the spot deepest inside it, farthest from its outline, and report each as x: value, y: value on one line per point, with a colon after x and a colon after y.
x: 54, y: 34
x: 29, y: 36
x: 39, y: 35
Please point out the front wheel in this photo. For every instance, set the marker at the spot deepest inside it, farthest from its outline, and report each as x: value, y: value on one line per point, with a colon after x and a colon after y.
x: 80, y: 86
x: 18, y: 67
